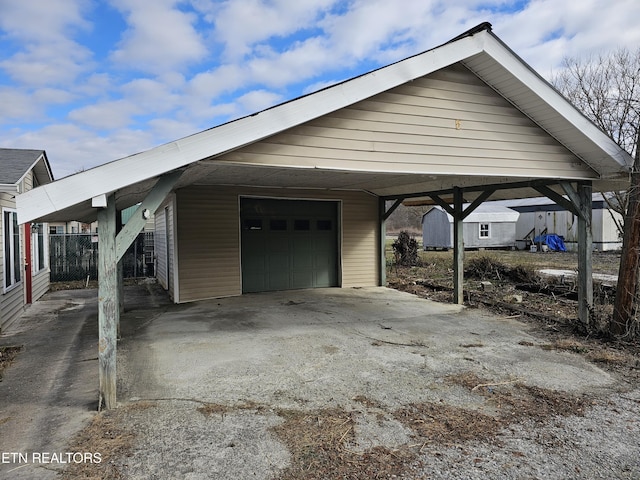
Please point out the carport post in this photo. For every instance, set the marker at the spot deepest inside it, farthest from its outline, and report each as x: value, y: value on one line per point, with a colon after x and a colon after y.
x: 458, y: 247
x: 108, y: 308
x: 585, y: 253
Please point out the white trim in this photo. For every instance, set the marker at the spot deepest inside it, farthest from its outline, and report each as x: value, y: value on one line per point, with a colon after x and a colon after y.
x: 488, y: 235
x: 174, y: 258
x: 10, y: 262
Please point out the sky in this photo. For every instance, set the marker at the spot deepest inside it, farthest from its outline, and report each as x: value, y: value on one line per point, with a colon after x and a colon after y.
x: 91, y: 81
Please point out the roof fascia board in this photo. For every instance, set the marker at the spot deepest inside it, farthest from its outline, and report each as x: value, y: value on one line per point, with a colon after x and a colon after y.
x: 109, y: 177
x: 8, y: 188
x: 502, y: 54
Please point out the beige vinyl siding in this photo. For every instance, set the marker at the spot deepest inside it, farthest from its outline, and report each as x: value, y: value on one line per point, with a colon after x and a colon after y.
x: 209, y: 237
x: 209, y: 242
x: 449, y: 122
x: 360, y: 233
x: 12, y: 301
x: 40, y: 284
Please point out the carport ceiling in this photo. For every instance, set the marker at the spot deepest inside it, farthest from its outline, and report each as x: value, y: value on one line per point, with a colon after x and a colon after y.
x: 384, y: 184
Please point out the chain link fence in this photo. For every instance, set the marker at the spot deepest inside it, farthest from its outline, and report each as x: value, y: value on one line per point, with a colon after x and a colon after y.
x: 74, y: 256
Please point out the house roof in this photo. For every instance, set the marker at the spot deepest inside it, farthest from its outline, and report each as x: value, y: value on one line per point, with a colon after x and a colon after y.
x: 16, y: 163
x: 478, y: 50
x: 485, y: 212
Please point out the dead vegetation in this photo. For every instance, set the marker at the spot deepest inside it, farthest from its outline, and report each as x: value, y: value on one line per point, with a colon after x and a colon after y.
x: 7, y: 355
x: 108, y: 435
x: 320, y: 442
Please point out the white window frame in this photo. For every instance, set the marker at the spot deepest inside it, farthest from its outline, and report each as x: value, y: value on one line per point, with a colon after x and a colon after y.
x: 36, y: 267
x: 488, y: 230
x: 8, y: 243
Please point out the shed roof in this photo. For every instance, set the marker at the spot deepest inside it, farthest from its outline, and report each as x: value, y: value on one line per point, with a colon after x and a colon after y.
x: 16, y: 163
x: 484, y: 213
x: 478, y: 50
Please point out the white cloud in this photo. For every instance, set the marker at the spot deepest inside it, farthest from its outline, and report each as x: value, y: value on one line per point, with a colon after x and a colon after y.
x: 160, y: 38
x: 257, y: 100
x: 71, y: 149
x: 106, y: 115
x: 40, y: 49
x: 241, y: 24
x: 18, y: 106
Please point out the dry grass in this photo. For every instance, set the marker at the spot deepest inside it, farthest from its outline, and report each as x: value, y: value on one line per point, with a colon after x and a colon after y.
x: 319, y: 446
x: 111, y: 436
x: 7, y: 355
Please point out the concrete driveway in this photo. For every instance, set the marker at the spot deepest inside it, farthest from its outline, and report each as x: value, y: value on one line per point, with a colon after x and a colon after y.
x: 254, y: 356
x: 323, y: 347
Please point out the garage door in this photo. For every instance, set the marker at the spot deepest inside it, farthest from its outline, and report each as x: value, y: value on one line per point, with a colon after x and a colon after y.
x: 288, y: 244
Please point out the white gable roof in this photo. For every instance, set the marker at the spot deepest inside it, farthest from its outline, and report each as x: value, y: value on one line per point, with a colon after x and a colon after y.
x: 479, y: 50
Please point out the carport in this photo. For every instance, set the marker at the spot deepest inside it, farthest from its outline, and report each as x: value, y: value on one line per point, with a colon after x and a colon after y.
x: 461, y: 123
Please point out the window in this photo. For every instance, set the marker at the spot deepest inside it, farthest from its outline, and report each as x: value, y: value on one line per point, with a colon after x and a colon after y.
x: 301, y: 225
x: 279, y: 225
x: 38, y: 246
x: 484, y: 230
x: 11, y: 237
x: 252, y: 224
x: 324, y: 225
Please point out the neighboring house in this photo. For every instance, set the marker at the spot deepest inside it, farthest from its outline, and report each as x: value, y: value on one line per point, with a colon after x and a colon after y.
x: 63, y: 228
x: 539, y: 216
x: 24, y: 254
x: 294, y: 196
x: 488, y: 226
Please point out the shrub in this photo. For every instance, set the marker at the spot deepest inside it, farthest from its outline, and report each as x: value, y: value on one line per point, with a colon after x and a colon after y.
x: 405, y: 250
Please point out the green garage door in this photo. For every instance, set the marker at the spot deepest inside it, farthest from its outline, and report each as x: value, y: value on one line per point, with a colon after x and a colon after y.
x: 288, y: 244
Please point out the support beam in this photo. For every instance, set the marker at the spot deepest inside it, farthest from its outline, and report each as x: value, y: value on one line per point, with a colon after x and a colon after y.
x: 387, y: 213
x: 458, y: 248
x: 108, y: 309
x: 585, y: 251
x: 476, y: 203
x: 568, y: 205
x: 151, y: 203
x: 447, y: 208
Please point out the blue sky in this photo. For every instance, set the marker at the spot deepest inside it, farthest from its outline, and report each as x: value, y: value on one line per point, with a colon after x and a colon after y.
x: 91, y: 81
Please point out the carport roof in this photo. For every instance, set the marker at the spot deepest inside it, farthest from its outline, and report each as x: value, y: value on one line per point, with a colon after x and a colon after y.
x: 478, y: 49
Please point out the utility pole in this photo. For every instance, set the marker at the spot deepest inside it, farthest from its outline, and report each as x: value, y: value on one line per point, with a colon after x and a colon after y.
x: 627, y: 289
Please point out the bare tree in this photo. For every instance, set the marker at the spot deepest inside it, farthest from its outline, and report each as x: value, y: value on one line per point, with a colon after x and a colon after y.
x: 607, y: 90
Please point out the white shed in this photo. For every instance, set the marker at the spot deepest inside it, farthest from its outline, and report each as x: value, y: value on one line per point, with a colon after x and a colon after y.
x: 488, y: 226
x: 540, y: 215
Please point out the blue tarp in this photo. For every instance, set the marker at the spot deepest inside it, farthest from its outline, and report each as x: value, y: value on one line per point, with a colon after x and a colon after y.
x: 554, y: 242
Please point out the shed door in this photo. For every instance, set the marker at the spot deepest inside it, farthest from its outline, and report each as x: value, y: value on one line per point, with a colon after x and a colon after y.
x: 288, y: 244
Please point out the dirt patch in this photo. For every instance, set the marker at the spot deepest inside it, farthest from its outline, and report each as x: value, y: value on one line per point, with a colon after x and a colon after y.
x: 7, y: 355
x: 319, y: 446
x: 110, y: 436
x: 506, y: 283
x: 320, y: 441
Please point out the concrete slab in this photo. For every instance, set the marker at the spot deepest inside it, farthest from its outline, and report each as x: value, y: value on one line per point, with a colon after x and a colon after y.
x: 320, y: 348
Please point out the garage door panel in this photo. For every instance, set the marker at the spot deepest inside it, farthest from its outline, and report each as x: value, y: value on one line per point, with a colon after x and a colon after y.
x: 290, y: 243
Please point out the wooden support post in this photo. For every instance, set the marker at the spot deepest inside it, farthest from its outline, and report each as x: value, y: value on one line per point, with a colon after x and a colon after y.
x: 458, y: 248
x: 108, y: 309
x: 585, y: 251
x: 383, y: 241
x: 120, y: 277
